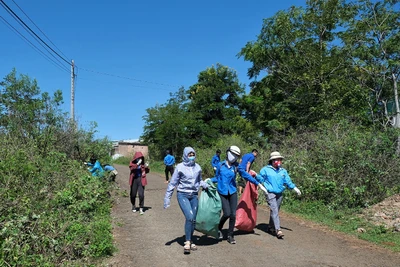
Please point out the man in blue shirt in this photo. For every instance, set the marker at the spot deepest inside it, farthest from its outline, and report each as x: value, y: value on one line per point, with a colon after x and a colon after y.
x: 112, y: 172
x: 169, y: 162
x: 95, y: 167
x: 247, y: 161
x: 216, y: 159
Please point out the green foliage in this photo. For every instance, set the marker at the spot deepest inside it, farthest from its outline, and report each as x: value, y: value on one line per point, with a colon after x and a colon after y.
x: 52, y: 211
x: 343, y: 164
x: 210, y: 108
x: 308, y: 73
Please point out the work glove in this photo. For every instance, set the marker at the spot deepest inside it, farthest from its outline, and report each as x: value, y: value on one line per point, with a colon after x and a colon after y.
x: 215, y: 168
x: 263, y: 189
x: 298, y: 192
x: 205, y: 187
x: 167, y: 203
x: 139, y: 161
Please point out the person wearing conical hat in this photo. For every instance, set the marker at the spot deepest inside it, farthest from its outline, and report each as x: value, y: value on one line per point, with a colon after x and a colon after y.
x: 275, y: 179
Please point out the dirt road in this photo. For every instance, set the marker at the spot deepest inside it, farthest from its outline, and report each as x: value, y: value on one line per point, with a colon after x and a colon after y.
x: 156, y: 239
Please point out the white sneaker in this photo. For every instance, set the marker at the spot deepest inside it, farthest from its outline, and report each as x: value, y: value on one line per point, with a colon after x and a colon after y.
x: 141, y: 211
x: 134, y: 209
x: 220, y: 235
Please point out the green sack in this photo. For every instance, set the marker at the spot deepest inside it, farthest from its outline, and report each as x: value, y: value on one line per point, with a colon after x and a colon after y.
x: 209, y: 211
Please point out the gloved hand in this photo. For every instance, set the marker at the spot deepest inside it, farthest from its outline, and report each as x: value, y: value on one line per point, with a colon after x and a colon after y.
x: 215, y: 168
x: 298, y: 192
x: 205, y: 187
x: 263, y: 189
x: 167, y: 203
x: 139, y: 161
x: 147, y: 165
x: 85, y: 163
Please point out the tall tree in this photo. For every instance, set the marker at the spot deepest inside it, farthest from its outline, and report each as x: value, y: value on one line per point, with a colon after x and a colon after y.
x: 304, y: 70
x: 24, y: 110
x: 169, y: 125
x: 373, y: 40
x: 216, y: 100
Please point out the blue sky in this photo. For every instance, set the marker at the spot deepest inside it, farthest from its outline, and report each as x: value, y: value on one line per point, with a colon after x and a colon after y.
x: 159, y: 45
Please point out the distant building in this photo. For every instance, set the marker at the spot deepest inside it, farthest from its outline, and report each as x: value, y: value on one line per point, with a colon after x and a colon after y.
x: 127, y: 148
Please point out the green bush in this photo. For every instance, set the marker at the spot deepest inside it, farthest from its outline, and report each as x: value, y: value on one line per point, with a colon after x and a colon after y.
x: 53, y: 212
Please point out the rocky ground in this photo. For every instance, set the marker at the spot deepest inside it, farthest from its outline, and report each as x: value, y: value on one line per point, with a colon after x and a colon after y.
x: 386, y: 213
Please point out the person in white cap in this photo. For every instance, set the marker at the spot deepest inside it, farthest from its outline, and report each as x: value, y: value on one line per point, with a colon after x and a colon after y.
x: 225, y: 177
x: 275, y: 179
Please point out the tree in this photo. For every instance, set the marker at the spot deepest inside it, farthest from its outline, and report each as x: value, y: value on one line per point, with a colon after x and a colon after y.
x: 24, y: 111
x: 216, y: 101
x: 307, y: 73
x: 169, y: 125
x: 373, y: 41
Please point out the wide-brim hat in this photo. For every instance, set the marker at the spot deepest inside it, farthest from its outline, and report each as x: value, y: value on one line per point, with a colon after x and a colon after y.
x: 275, y: 155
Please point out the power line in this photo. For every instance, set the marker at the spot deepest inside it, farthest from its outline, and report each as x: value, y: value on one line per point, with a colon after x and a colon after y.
x: 127, y: 85
x: 33, y: 46
x: 45, y: 48
x: 5, y: 6
x: 127, y: 78
x: 38, y: 28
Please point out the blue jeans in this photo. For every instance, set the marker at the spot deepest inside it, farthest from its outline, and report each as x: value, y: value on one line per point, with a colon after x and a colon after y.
x: 188, y: 203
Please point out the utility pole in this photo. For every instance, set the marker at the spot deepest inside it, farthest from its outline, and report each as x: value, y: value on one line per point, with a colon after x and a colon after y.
x: 72, y: 91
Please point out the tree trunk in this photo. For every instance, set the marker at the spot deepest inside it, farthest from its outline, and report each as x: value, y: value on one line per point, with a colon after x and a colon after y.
x: 397, y: 116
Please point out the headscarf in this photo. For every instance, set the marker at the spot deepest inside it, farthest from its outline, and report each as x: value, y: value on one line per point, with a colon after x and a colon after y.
x: 185, y: 157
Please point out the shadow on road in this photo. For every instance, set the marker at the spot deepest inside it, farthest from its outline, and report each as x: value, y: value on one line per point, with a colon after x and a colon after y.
x: 203, y: 240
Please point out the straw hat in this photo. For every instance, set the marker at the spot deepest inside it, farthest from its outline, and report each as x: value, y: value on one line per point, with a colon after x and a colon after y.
x: 275, y: 155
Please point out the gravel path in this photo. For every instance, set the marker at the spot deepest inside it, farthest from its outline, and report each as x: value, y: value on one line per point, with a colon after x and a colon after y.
x: 156, y: 239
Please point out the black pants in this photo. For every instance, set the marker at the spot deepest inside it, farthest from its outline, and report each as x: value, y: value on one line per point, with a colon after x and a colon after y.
x: 229, y: 205
x: 169, y: 169
x: 136, y: 188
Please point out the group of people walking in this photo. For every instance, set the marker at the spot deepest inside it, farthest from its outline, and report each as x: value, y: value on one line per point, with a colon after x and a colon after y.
x: 187, y: 179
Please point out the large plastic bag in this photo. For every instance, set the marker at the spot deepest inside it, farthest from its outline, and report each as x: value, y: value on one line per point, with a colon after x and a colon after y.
x: 209, y: 211
x: 246, y: 212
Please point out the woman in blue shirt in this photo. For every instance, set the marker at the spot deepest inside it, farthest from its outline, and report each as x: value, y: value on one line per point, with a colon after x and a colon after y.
x: 275, y: 179
x: 225, y: 176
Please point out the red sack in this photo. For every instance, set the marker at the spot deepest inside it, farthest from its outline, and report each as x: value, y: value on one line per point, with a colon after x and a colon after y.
x: 246, y: 211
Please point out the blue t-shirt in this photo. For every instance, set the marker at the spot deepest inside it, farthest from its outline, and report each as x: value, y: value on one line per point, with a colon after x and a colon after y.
x: 169, y: 160
x: 215, y: 160
x: 108, y: 168
x: 249, y: 157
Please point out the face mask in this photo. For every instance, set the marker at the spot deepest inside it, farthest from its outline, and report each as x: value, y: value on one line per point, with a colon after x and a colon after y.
x: 277, y: 164
x: 192, y: 158
x: 231, y: 157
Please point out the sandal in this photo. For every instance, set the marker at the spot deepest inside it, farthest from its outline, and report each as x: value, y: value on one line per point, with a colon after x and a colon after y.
x: 279, y: 234
x: 193, y: 246
x: 186, y: 247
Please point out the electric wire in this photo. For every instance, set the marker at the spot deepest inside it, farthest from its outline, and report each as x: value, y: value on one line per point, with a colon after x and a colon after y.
x: 44, y: 45
x: 127, y: 78
x: 38, y: 28
x: 5, y: 6
x: 62, y: 67
x: 128, y: 85
x: 33, y: 36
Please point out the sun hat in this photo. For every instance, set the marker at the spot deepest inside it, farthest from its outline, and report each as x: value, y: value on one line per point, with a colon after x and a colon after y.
x: 275, y: 155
